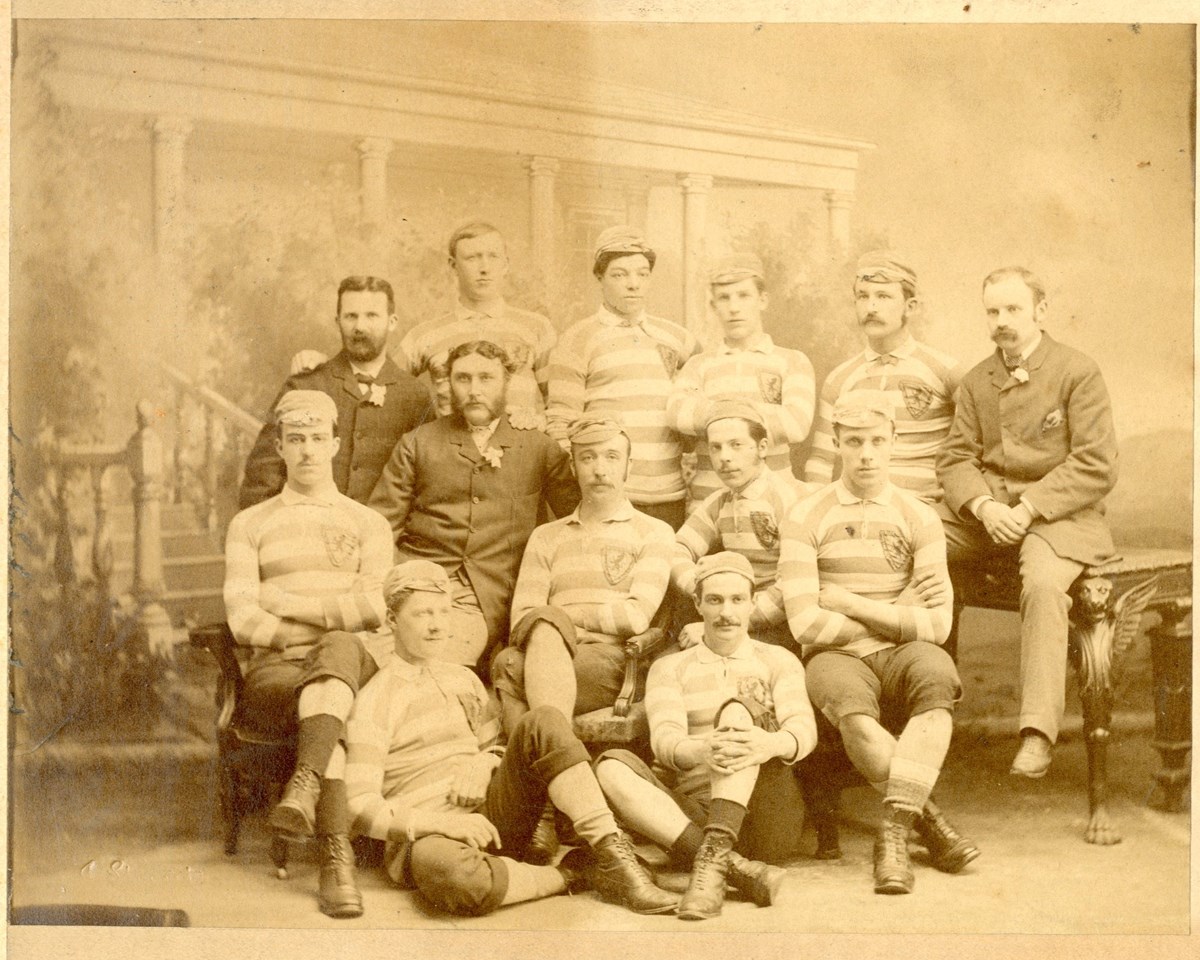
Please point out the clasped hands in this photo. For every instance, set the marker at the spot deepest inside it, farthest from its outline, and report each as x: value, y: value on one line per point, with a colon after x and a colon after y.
x: 1004, y: 524
x: 728, y: 751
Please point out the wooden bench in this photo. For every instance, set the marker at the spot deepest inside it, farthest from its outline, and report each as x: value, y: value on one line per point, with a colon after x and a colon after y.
x: 1108, y: 601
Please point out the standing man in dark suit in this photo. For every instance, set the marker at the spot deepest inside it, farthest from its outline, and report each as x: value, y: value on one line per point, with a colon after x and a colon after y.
x: 465, y: 491
x: 1028, y: 462
x: 376, y: 401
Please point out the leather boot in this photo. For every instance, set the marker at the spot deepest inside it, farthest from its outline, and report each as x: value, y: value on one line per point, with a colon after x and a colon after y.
x: 758, y: 882
x: 296, y: 813
x: 543, y: 845
x: 338, y: 893
x: 893, y: 873
x: 706, y: 892
x: 619, y: 878
x: 949, y: 850
x: 576, y: 868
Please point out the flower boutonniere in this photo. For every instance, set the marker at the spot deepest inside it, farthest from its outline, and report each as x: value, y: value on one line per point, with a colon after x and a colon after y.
x: 376, y: 393
x: 1020, y: 374
x: 492, y: 455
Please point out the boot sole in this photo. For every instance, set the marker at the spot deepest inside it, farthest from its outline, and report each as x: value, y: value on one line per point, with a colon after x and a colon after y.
x: 343, y: 911
x: 956, y: 860
x: 892, y: 887
x: 696, y: 915
x: 291, y: 823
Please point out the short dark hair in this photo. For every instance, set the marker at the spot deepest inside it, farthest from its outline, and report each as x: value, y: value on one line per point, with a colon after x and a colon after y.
x: 757, y: 431
x: 485, y: 348
x: 604, y: 259
x: 837, y: 429
x: 759, y: 283
x: 468, y: 231
x: 279, y: 430
x: 366, y: 285
x: 1036, y: 287
x: 906, y: 288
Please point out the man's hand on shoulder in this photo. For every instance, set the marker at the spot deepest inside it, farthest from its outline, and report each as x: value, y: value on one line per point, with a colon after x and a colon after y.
x: 305, y: 360
x: 691, y: 635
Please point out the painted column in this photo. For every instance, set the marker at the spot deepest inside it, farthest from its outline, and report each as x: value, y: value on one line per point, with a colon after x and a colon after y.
x: 542, y: 173
x: 838, y: 203
x: 696, y: 187
x: 372, y: 178
x: 170, y: 139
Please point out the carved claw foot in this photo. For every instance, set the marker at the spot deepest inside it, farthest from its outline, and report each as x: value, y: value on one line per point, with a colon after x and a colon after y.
x: 1101, y: 830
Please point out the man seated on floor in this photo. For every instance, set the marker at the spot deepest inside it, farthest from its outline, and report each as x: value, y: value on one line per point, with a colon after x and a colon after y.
x: 728, y: 718
x: 467, y: 490
x: 427, y: 772
x: 743, y: 516
x: 303, y: 568
x: 865, y: 586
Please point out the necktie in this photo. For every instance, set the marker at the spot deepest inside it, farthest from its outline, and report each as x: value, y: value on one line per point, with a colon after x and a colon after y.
x: 887, y: 359
x: 364, y: 382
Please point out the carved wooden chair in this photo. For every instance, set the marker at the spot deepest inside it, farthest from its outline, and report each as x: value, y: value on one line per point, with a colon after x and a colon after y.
x: 253, y: 760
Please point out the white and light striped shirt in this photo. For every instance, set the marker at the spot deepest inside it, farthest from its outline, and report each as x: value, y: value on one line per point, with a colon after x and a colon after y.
x: 778, y: 382
x: 624, y: 368
x: 872, y: 548
x: 921, y: 382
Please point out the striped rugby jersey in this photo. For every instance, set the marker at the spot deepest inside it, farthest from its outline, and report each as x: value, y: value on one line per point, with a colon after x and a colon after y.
x: 605, y: 365
x: 526, y: 337
x: 778, y: 381
x: 748, y: 522
x: 325, y: 546
x: 872, y: 548
x: 412, y: 729
x: 610, y: 583
x: 684, y: 690
x: 922, y: 382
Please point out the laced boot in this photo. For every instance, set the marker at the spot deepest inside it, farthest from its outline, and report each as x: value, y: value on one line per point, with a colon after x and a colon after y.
x: 758, y: 882
x: 619, y: 878
x: 576, y: 868
x: 543, y: 845
x: 893, y: 873
x: 949, y: 850
x: 338, y: 894
x: 706, y: 891
x: 296, y: 813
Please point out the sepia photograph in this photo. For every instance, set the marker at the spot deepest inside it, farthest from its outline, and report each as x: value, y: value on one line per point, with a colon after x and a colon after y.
x: 563, y: 479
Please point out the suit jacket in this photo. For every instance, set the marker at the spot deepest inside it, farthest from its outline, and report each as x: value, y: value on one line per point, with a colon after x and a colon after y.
x: 1050, y: 440
x: 368, y: 433
x: 448, y: 504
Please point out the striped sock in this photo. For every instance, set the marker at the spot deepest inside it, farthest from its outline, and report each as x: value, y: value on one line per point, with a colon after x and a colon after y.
x: 909, y: 784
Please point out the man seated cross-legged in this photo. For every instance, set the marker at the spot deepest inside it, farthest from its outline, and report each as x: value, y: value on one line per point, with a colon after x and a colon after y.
x: 302, y: 569
x: 728, y: 718
x: 865, y: 587
x: 426, y: 771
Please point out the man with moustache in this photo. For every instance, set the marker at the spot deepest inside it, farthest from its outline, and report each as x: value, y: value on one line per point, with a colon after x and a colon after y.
x: 479, y: 259
x: 1026, y: 467
x: 302, y: 588
x: 466, y: 491
x: 743, y: 516
x: 920, y: 380
x: 427, y: 771
x: 376, y: 401
x: 728, y: 719
x: 746, y: 366
x: 854, y: 558
x: 620, y: 362
x: 588, y: 582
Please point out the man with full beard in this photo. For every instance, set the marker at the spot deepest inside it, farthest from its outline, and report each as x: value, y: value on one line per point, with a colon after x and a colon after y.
x: 376, y: 401
x: 466, y: 491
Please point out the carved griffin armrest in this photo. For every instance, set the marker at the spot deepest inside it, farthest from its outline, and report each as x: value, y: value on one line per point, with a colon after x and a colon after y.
x: 639, y: 649
x: 217, y: 639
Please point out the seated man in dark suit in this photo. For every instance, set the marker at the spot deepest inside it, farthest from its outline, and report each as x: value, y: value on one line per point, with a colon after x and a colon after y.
x: 376, y: 401
x: 466, y: 491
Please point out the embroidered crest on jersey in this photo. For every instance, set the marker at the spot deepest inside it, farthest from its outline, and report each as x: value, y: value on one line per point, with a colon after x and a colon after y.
x: 618, y: 561
x: 765, y: 528
x: 669, y: 357
x: 341, y: 545
x: 518, y: 353
x: 755, y: 697
x: 471, y: 708
x: 770, y: 385
x: 917, y: 398
x: 895, y: 550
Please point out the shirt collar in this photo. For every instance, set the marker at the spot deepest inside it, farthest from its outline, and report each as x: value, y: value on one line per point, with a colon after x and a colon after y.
x: 495, y: 310
x: 904, y: 350
x: 759, y: 343
x: 754, y: 488
x: 743, y: 651
x: 846, y: 497
x: 624, y: 512
x: 610, y: 319
x: 1033, y: 345
x: 325, y: 497
x: 371, y: 369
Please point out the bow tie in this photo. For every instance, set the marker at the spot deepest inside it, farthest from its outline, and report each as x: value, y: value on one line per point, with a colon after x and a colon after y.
x: 1012, y: 363
x: 887, y: 359
x: 364, y: 378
